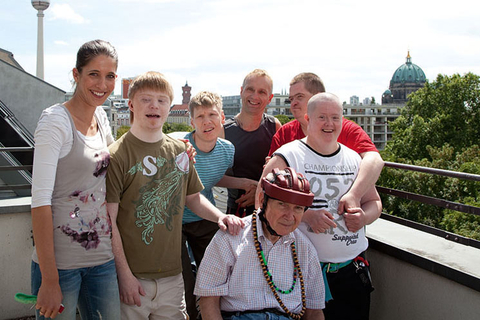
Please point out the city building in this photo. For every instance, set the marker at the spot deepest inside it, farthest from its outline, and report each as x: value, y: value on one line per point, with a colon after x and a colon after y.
x: 354, y: 101
x: 279, y: 105
x: 186, y: 93
x: 406, y: 79
x: 179, y: 112
x: 125, y: 85
x: 23, y: 97
x: 374, y: 118
x: 231, y: 105
x: 23, y: 93
x: 120, y: 113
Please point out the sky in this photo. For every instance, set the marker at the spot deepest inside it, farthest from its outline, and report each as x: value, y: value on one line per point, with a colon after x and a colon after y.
x: 354, y: 46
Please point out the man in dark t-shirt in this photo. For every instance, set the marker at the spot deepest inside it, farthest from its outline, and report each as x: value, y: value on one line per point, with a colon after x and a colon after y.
x: 251, y: 133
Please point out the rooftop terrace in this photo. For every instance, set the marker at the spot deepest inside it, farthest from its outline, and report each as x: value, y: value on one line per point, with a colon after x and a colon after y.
x: 418, y: 272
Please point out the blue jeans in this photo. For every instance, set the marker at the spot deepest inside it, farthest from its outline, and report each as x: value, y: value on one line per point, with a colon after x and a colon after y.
x: 256, y: 316
x: 93, y: 290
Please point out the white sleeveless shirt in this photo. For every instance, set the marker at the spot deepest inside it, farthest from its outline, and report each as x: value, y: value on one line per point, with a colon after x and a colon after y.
x: 330, y: 177
x: 81, y: 226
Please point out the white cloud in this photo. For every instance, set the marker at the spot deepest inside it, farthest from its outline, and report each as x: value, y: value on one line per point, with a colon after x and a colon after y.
x: 354, y: 46
x: 60, y: 43
x: 65, y: 12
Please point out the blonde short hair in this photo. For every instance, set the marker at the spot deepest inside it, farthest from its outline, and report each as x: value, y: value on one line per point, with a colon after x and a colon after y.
x: 258, y: 73
x: 205, y: 99
x: 149, y: 80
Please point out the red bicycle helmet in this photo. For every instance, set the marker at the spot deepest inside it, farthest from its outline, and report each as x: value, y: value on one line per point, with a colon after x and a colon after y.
x: 289, y: 186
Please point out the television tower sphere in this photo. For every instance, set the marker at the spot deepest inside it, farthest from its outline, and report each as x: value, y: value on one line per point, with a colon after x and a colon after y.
x: 41, y: 5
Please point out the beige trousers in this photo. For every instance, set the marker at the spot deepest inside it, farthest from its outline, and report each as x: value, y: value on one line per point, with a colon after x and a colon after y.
x: 164, y: 300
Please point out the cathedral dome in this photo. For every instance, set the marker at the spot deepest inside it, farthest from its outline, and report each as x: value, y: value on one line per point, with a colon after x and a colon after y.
x: 407, y: 79
x: 408, y: 73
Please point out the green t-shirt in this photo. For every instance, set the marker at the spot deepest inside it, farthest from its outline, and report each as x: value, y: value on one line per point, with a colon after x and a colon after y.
x: 150, y: 182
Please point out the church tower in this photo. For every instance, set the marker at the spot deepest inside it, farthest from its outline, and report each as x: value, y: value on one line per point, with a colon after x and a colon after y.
x: 186, y: 93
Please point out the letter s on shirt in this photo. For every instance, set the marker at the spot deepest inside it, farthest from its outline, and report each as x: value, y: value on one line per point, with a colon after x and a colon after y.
x: 150, y: 167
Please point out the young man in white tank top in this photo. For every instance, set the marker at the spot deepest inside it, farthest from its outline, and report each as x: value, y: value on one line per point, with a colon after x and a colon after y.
x: 339, y: 239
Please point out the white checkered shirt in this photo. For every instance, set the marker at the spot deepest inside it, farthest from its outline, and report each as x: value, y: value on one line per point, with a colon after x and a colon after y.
x: 231, y: 269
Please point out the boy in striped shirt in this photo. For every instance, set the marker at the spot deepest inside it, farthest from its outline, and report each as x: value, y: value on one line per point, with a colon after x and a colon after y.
x: 214, y: 157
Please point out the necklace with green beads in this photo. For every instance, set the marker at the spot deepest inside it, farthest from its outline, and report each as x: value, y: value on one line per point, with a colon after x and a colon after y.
x: 297, y: 272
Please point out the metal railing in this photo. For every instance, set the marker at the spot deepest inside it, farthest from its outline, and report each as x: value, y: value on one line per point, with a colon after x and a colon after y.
x: 15, y: 138
x: 432, y: 201
x: 384, y: 190
x: 15, y: 167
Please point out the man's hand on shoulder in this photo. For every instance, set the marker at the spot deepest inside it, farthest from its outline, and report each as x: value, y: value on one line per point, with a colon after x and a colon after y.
x: 231, y: 223
x: 191, y: 151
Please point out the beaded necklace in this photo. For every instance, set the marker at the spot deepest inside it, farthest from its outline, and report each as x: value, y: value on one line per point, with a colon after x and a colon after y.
x: 268, y: 275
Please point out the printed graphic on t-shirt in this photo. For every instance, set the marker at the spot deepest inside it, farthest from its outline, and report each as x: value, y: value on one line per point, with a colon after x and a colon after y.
x: 340, y: 232
x: 160, y: 197
x: 87, y: 227
x: 329, y: 183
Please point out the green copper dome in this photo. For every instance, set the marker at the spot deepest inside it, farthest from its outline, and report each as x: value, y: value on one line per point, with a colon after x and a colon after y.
x: 408, y: 73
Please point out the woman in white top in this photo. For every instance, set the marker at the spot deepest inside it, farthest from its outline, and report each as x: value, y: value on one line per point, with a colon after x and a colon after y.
x: 72, y: 260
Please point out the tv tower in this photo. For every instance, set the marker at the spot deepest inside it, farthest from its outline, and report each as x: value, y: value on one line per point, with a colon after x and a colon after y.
x: 40, y: 6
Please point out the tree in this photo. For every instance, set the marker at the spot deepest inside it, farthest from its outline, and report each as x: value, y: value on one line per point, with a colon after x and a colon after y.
x: 283, y: 118
x: 444, y: 111
x: 373, y: 100
x: 451, y: 189
x: 174, y: 127
x: 438, y: 128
